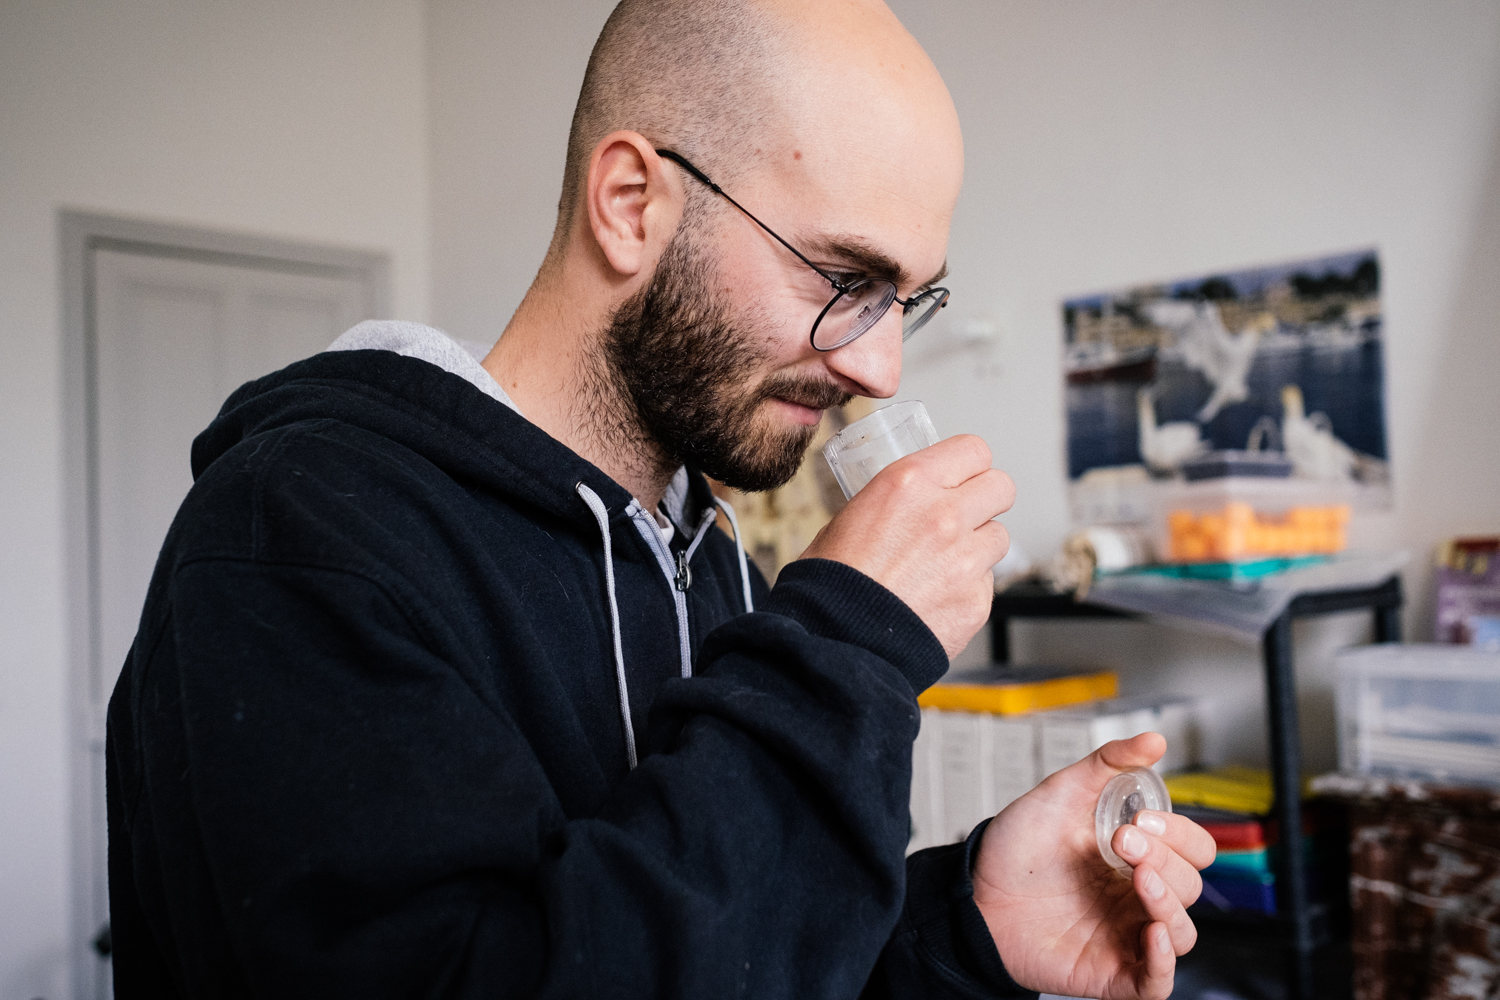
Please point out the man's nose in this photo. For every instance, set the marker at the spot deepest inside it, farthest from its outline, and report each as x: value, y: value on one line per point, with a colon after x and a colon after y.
x: 873, y: 361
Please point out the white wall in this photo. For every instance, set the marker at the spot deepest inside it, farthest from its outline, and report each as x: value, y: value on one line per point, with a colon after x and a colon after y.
x: 302, y: 119
x: 1110, y: 144
x: 503, y: 77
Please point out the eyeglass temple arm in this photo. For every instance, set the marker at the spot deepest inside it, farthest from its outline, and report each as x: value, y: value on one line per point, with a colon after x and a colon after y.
x: 700, y: 175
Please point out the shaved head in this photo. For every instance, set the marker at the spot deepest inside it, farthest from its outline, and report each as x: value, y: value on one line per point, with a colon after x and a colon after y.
x: 695, y: 75
x: 731, y: 84
x: 667, y: 327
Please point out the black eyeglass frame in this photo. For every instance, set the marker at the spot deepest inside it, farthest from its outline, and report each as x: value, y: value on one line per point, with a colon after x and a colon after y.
x: 841, y: 288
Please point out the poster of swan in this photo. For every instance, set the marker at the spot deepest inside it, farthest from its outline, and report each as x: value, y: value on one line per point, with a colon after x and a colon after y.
x: 1286, y: 360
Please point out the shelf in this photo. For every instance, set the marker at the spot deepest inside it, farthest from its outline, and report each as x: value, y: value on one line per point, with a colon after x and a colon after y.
x: 1303, y: 928
x: 1261, y: 928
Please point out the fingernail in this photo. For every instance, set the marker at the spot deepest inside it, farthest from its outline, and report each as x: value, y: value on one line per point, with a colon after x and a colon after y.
x: 1163, y: 942
x: 1153, y: 885
x: 1132, y: 842
x: 1151, y: 823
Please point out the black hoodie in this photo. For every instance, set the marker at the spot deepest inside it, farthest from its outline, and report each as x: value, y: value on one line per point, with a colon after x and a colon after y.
x: 369, y: 740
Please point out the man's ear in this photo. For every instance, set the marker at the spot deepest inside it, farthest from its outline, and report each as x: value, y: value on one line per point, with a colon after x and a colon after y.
x: 634, y: 203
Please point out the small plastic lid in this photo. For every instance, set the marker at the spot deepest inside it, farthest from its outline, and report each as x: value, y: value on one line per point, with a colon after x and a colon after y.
x: 1127, y: 793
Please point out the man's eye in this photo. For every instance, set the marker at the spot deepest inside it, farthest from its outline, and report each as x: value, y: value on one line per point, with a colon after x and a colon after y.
x: 846, y: 278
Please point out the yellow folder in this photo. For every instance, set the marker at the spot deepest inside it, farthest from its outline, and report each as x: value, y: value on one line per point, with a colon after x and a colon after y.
x: 1232, y: 788
x: 1016, y: 691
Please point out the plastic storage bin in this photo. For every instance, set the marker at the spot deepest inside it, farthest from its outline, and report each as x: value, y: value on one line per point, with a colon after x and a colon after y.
x: 1234, y: 518
x: 1420, y: 711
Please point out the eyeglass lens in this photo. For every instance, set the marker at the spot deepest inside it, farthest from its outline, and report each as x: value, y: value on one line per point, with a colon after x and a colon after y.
x: 863, y: 304
x: 922, y: 309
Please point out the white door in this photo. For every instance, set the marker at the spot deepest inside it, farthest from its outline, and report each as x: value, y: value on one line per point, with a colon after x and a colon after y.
x: 173, y: 336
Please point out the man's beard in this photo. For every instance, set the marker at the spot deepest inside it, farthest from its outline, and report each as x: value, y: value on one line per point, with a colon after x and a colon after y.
x: 680, y: 358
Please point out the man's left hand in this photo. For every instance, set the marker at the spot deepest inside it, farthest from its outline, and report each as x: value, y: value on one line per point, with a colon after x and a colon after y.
x: 1063, y: 920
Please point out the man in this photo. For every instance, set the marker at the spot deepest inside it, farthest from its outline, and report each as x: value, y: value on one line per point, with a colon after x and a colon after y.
x: 445, y: 686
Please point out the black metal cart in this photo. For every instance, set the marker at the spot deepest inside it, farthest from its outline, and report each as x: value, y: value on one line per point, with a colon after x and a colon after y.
x: 1299, y: 926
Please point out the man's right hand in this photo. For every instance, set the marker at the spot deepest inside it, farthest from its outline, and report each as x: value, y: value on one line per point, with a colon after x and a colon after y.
x: 923, y: 529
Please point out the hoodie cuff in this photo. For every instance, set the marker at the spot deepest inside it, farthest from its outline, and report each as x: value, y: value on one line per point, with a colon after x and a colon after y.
x: 940, y: 906
x: 836, y: 601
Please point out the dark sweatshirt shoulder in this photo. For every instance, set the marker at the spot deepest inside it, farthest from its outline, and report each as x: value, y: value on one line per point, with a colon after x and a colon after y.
x: 371, y: 738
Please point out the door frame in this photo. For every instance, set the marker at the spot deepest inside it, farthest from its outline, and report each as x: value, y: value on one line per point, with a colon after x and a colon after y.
x: 80, y: 235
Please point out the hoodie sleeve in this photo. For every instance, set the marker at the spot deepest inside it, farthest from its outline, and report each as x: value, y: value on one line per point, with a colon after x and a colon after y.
x: 315, y: 801
x: 940, y: 945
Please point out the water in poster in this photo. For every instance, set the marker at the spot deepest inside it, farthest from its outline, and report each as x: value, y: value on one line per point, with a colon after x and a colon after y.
x: 1287, y: 358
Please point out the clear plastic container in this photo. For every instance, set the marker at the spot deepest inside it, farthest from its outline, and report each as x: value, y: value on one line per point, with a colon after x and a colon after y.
x: 858, y: 452
x: 1420, y: 711
x: 1245, y: 517
x: 1126, y: 794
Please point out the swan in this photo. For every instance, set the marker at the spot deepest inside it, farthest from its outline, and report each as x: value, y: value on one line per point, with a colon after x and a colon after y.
x: 1233, y: 354
x: 1309, y: 441
x: 1164, y: 447
x: 1207, y: 345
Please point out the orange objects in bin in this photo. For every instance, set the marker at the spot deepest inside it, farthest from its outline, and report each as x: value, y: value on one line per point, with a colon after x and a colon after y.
x: 1238, y: 531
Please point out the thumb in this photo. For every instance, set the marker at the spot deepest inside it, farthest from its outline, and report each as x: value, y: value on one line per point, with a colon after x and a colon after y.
x: 1138, y: 751
x: 1095, y: 770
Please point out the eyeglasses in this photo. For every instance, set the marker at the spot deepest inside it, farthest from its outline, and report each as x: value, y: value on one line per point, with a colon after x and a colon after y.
x: 856, y: 305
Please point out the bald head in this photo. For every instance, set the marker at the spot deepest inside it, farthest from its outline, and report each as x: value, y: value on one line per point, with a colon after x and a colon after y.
x: 665, y: 327
x: 677, y: 72
x: 740, y: 85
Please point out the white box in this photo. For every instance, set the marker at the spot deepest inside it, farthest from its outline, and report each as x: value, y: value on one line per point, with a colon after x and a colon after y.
x: 926, y: 784
x: 1420, y: 711
x: 967, y: 795
x: 1013, y: 770
x: 1180, y: 720
x: 1069, y: 734
x: 966, y: 767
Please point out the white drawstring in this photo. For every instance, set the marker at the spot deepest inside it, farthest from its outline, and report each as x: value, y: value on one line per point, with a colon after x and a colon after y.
x: 601, y: 514
x: 734, y: 525
x: 704, y: 523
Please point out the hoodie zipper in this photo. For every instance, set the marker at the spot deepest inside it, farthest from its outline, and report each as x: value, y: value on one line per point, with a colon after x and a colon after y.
x: 675, y: 568
x: 646, y: 525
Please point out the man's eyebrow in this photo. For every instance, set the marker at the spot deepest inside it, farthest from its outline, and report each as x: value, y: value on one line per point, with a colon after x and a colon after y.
x: 941, y: 274
x: 869, y: 260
